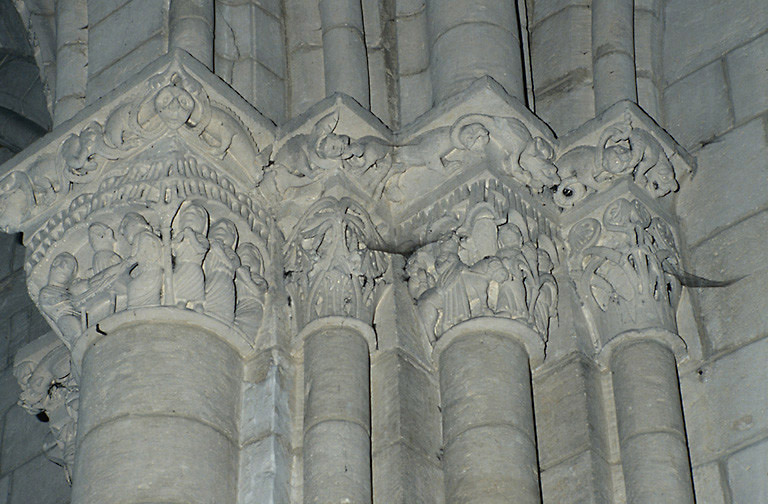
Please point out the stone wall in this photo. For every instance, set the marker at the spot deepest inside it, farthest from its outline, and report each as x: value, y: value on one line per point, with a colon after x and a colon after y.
x: 26, y: 475
x: 716, y: 74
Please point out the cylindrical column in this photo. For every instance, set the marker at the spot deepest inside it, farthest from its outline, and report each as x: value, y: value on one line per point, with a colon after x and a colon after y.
x: 345, y: 58
x: 613, y: 53
x: 488, y: 429
x: 654, y: 451
x: 337, y: 419
x: 473, y: 38
x: 157, y: 419
x: 190, y: 27
x: 71, y: 58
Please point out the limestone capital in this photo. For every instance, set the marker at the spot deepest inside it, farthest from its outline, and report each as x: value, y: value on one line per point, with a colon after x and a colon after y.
x: 625, y: 264
x: 147, y: 198
x: 490, y: 264
x: 333, y: 262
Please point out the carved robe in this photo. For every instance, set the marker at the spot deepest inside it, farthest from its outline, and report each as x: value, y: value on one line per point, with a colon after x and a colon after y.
x: 220, y: 265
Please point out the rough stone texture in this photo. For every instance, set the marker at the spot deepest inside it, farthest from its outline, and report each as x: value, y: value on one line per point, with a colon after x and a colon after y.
x: 748, y: 474
x: 39, y: 481
x: 747, y: 73
x: 731, y: 420
x: 691, y: 123
x: 708, y: 481
x: 734, y: 165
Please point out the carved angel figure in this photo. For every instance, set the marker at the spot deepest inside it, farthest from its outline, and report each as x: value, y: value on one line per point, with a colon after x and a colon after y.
x: 219, y: 266
x: 250, y: 287
x: 189, y: 246
x: 146, y: 273
x: 55, y: 298
x: 108, y: 282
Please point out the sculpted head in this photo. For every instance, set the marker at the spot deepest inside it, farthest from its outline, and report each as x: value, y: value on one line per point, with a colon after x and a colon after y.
x: 63, y: 269
x: 132, y: 224
x: 333, y: 146
x: 616, y: 159
x: 100, y: 236
x: 192, y: 216
x: 474, y: 137
x: 661, y: 180
x: 174, y: 106
x: 223, y: 231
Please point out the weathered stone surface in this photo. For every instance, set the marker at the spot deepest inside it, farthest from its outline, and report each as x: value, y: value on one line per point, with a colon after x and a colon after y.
x: 39, y: 481
x: 696, y: 34
x: 748, y: 474
x: 709, y: 485
x: 583, y: 478
x: 718, y: 419
x: 22, y: 435
x: 747, y: 72
x: 402, y: 476
x: 691, y: 123
x: 734, y: 166
x: 264, y: 475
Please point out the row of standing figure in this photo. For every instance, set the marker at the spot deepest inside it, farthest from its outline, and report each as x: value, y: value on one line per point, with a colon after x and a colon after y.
x: 208, y: 274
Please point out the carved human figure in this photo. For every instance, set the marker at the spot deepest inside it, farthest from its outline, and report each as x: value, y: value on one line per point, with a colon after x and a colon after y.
x: 512, y: 301
x: 250, y: 287
x: 55, y: 298
x: 108, y: 281
x: 189, y: 246
x: 219, y: 267
x: 146, y: 255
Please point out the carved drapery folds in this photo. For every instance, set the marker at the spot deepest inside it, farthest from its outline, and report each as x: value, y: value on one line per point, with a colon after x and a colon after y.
x: 49, y: 391
x: 624, y: 265
x: 492, y: 264
x: 332, y: 265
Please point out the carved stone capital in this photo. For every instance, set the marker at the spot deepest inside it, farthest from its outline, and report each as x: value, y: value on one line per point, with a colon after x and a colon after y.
x: 492, y: 264
x: 148, y: 199
x: 50, y: 391
x: 333, y: 262
x: 626, y: 266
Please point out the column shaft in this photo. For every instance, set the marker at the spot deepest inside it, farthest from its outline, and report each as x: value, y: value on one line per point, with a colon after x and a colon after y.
x: 654, y: 451
x: 473, y: 38
x: 157, y: 417
x: 71, y: 58
x: 337, y: 419
x: 345, y: 57
x: 488, y: 428
x: 190, y: 26
x: 613, y: 53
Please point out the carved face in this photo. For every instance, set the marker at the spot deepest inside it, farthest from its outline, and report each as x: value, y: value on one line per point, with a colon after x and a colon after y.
x: 333, y: 146
x: 223, y: 231
x: 174, y: 106
x: 661, y: 180
x: 100, y: 236
x: 194, y: 217
x: 63, y: 269
x: 616, y: 160
x: 14, y: 206
x: 132, y: 224
x: 474, y: 137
